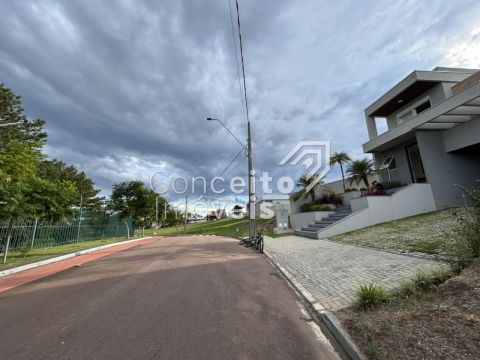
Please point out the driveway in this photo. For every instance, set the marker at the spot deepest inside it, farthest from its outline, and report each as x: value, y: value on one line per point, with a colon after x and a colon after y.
x: 331, y: 272
x: 198, y: 297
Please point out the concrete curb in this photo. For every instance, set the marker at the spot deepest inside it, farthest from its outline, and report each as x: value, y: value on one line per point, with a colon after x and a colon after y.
x: 327, y: 321
x: 34, y: 265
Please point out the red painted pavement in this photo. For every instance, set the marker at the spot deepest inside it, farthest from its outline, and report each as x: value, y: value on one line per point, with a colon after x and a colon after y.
x: 14, y: 280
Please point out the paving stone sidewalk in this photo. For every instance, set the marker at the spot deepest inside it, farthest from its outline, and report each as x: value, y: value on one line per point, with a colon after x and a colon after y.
x: 331, y: 272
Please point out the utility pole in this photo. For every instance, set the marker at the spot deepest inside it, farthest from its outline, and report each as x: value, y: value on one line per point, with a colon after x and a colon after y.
x: 251, y: 186
x: 250, y: 174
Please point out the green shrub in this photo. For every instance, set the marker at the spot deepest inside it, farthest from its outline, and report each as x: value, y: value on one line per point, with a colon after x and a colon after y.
x: 407, y: 288
x: 476, y: 337
x: 310, y: 207
x: 24, y: 250
x: 350, y: 190
x: 372, y: 350
x: 371, y: 294
x: 428, y: 280
x: 423, y: 281
x: 464, y: 245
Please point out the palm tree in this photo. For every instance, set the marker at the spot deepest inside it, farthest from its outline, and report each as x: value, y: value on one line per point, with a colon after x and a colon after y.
x: 340, y: 158
x: 304, y: 182
x: 360, y: 170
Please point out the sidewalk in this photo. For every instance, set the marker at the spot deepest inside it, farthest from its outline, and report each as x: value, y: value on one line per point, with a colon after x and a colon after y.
x: 11, y: 281
x: 331, y: 272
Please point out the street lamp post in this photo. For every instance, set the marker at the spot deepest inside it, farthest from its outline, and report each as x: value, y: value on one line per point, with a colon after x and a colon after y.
x: 251, y: 176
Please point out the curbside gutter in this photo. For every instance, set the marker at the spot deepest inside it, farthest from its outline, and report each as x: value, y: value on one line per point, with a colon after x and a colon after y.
x: 327, y: 320
x: 52, y: 260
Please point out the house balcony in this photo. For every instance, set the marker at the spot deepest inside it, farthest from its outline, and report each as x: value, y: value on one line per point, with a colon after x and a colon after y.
x: 456, y: 110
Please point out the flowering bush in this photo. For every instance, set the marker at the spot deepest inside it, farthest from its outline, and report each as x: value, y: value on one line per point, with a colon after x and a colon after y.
x: 375, y: 193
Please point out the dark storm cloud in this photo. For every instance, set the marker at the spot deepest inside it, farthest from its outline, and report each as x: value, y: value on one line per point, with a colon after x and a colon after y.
x: 126, y: 86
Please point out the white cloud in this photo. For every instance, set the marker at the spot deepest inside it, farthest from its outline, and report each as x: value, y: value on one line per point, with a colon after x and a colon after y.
x: 465, y: 53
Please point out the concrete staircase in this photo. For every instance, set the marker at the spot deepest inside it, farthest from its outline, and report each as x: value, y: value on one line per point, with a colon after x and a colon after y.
x: 312, y: 229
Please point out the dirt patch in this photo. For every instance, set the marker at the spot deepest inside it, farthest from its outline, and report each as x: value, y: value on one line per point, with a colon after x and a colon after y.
x: 267, y: 226
x: 444, y: 324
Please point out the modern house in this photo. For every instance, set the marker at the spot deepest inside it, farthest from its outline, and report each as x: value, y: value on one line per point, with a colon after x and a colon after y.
x: 431, y: 145
x: 433, y: 136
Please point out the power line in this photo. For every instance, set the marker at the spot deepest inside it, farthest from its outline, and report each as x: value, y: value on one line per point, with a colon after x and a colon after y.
x: 230, y: 173
x: 236, y: 61
x: 231, y: 162
x: 243, y: 63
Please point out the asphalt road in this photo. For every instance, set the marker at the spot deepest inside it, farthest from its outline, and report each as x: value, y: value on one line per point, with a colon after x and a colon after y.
x: 175, y: 298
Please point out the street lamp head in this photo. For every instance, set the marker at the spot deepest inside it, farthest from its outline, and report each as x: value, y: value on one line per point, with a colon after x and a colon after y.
x: 211, y: 119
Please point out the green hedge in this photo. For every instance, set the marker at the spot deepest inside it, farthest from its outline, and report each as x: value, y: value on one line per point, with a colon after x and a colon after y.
x: 311, y: 207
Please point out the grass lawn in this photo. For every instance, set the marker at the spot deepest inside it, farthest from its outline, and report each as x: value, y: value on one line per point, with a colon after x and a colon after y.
x: 16, y: 258
x: 423, y: 233
x: 440, y: 324
x: 226, y: 227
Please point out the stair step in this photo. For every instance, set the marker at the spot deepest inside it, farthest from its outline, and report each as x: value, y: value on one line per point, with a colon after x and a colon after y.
x: 318, y: 226
x: 322, y: 223
x: 337, y: 216
x: 309, y: 234
x: 326, y: 220
x: 312, y: 228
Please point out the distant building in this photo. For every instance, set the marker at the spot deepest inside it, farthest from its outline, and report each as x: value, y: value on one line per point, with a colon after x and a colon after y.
x: 216, y: 214
x: 271, y: 202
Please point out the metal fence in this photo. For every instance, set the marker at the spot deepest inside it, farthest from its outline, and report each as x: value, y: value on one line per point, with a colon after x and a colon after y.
x: 21, y: 234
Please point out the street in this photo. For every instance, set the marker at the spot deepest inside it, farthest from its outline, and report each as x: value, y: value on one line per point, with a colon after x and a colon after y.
x: 198, y: 297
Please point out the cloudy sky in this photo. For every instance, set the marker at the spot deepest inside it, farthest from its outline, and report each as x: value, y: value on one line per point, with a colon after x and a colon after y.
x: 125, y: 86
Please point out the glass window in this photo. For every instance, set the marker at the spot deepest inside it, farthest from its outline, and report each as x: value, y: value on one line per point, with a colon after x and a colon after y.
x: 393, y: 164
x: 422, y: 107
x: 414, y: 112
x: 387, y: 162
x: 407, y: 116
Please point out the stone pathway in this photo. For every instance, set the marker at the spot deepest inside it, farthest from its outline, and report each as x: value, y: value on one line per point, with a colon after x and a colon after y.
x: 331, y: 272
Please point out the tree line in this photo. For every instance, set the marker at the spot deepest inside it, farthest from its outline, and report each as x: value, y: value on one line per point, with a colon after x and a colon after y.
x: 33, y: 186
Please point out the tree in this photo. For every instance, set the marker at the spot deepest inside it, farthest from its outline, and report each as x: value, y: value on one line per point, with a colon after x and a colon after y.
x: 51, y: 200
x: 303, y: 183
x: 56, y: 170
x: 28, y: 186
x: 133, y: 200
x: 22, y: 130
x: 25, y: 194
x: 340, y: 159
x: 360, y: 170
x: 18, y: 165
